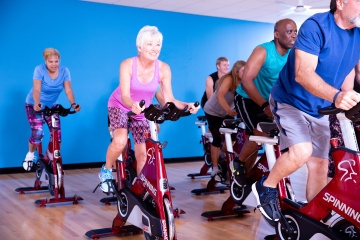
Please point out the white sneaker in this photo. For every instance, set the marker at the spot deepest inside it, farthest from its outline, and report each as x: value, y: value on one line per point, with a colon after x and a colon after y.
x: 29, y: 161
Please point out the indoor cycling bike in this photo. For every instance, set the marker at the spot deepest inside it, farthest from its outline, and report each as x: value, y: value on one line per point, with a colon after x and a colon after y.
x: 146, y: 203
x: 48, y: 167
x: 206, y: 139
x: 226, y: 174
x: 233, y: 206
x: 334, y: 213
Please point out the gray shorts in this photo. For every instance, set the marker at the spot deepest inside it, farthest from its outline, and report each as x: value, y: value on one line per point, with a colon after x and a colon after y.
x: 299, y: 127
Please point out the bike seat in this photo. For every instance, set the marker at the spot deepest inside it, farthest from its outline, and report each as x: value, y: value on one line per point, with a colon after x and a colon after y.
x: 267, y: 127
x: 201, y: 118
x: 231, y: 123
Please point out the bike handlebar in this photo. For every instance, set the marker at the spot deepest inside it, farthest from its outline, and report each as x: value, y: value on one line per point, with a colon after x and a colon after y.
x: 352, y: 114
x: 57, y: 109
x: 159, y: 114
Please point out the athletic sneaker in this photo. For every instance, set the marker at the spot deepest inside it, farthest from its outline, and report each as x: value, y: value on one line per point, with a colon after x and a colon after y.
x: 217, y: 176
x: 238, y: 172
x: 106, y: 176
x: 30, y: 158
x: 267, y: 200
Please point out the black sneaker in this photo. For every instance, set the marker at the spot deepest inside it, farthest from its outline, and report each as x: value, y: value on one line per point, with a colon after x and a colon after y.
x: 267, y: 200
x: 238, y: 171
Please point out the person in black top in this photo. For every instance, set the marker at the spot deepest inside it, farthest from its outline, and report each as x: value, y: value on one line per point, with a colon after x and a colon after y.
x: 222, y: 65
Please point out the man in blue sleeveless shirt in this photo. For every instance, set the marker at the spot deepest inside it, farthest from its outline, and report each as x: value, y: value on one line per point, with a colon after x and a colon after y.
x: 325, y: 54
x: 251, y: 99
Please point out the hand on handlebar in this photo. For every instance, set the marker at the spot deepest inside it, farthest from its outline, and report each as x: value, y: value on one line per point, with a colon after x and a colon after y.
x: 76, y: 107
x: 136, y: 108
x: 232, y: 113
x: 347, y: 99
x: 37, y: 107
x: 193, y: 107
x: 267, y: 111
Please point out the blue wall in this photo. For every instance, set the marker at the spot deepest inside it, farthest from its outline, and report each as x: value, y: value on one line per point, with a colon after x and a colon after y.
x: 93, y: 39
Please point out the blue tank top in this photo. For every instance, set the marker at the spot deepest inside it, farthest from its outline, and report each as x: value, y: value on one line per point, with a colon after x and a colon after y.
x: 269, y: 71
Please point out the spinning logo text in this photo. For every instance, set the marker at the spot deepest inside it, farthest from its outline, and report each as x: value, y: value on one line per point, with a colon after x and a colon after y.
x: 343, y: 207
x: 147, y: 184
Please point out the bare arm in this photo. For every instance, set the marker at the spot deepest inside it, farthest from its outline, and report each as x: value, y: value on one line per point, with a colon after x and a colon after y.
x: 305, y: 75
x: 160, y: 98
x: 349, y: 82
x: 125, y: 76
x: 209, y: 87
x: 220, y: 96
x: 70, y: 95
x: 36, y: 94
x: 251, y: 70
x: 357, y: 72
x: 165, y: 88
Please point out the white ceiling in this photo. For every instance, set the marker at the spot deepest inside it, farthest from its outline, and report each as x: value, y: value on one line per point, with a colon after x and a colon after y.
x: 253, y: 10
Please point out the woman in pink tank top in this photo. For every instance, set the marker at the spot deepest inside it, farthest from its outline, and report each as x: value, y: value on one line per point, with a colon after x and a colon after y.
x: 140, y: 77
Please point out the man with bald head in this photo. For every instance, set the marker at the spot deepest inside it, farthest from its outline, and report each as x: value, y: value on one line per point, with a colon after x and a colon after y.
x: 251, y: 99
x: 318, y: 73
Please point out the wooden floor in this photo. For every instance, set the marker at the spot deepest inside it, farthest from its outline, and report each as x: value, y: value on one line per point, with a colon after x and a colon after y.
x: 20, y: 218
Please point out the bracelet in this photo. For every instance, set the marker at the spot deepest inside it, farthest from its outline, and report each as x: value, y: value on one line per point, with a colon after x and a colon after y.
x: 264, y: 105
x: 73, y: 104
x: 335, y: 96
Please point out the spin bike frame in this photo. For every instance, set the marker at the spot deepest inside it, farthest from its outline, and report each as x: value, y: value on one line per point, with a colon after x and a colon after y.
x: 151, y: 186
x: 305, y: 221
x: 229, y: 207
x: 260, y: 167
x: 340, y: 194
x: 55, y: 174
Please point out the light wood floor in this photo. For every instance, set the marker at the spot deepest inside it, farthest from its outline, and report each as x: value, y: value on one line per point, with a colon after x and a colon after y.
x: 20, y: 218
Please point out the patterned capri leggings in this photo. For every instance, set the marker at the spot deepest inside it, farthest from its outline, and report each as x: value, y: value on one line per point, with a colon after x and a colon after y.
x: 36, y: 121
x: 119, y: 119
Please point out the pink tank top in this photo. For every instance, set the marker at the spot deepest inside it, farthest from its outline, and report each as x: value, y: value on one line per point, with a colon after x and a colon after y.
x: 138, y: 90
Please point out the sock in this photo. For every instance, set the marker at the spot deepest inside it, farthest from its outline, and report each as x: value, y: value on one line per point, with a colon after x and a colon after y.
x: 30, y: 155
x: 214, y: 170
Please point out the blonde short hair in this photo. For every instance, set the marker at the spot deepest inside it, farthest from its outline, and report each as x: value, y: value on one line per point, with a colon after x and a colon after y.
x: 50, y: 52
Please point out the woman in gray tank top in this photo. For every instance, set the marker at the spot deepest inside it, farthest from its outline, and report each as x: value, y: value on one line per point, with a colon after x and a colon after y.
x: 219, y: 107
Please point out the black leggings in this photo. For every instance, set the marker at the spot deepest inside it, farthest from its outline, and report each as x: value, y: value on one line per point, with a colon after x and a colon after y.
x: 215, y: 123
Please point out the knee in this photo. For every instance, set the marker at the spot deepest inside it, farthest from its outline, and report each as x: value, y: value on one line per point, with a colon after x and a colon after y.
x: 118, y: 144
x: 319, y: 166
x: 216, y: 142
x: 300, y: 153
x: 36, y: 136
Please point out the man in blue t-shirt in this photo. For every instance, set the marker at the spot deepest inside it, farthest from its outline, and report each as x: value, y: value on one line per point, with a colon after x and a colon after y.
x: 324, y: 57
